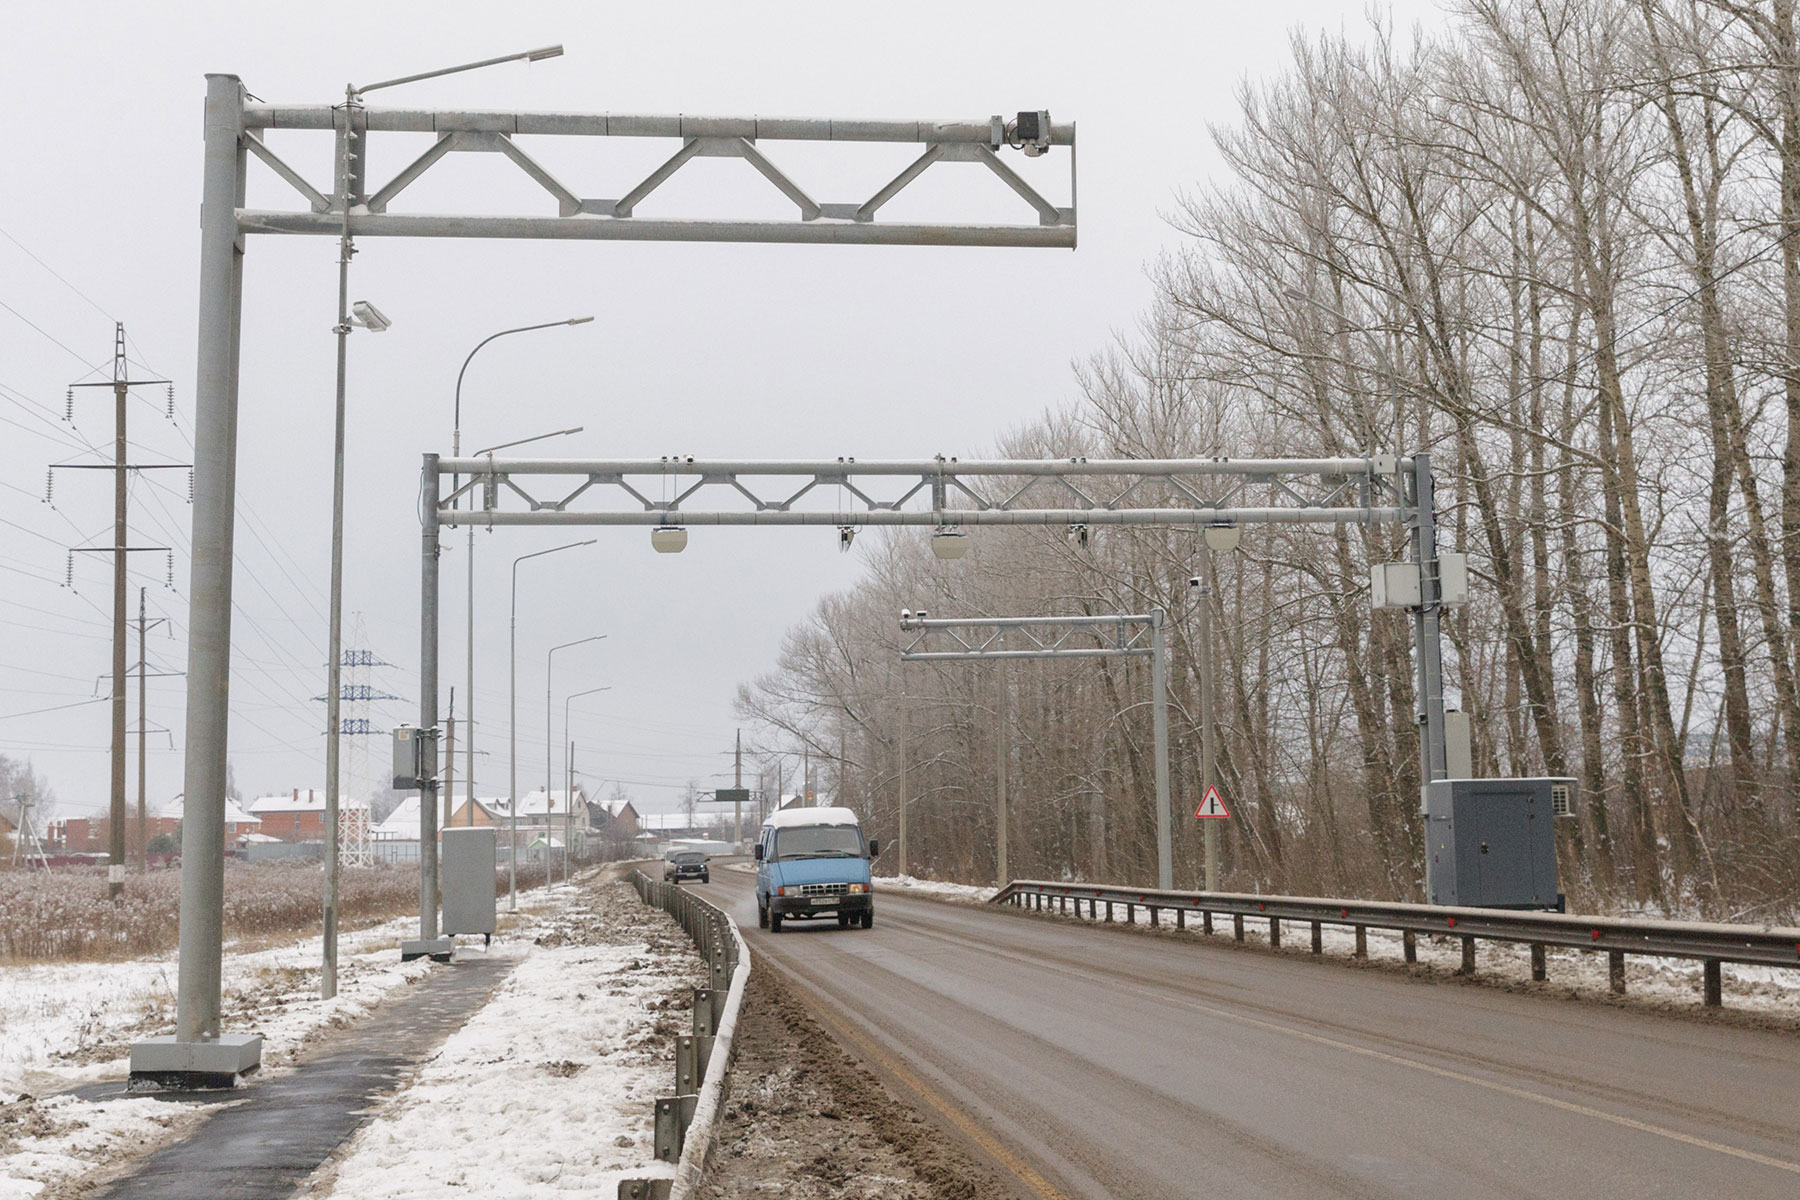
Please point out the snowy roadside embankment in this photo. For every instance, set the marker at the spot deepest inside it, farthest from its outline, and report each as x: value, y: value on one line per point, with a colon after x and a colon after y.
x: 961, y: 893
x: 551, y: 1085
x: 1657, y: 982
x: 65, y: 1024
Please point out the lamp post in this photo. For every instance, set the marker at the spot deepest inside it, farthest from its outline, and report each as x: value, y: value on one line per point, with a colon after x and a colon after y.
x: 469, y: 628
x: 512, y: 754
x: 549, y: 742
x: 569, y: 777
x: 349, y: 171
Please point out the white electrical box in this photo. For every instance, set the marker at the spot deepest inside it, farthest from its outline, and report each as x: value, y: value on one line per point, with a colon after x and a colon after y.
x: 1453, y: 579
x: 1394, y: 585
x: 1459, y: 746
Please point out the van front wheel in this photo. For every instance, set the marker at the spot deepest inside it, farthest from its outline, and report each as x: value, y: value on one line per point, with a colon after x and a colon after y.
x: 774, y: 921
x: 868, y: 918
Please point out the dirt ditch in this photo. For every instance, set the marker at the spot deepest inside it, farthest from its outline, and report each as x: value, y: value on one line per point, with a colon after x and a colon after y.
x: 805, y: 1120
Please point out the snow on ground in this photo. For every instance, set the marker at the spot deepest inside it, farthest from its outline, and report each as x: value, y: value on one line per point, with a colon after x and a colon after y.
x: 1662, y: 982
x: 912, y: 886
x: 551, y: 1086
x: 64, y: 1024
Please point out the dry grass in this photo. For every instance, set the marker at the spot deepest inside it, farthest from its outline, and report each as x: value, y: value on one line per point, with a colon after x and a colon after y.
x: 66, y: 915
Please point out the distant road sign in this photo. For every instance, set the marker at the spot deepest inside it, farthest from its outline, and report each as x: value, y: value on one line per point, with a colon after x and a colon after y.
x: 732, y: 796
x: 1213, y: 805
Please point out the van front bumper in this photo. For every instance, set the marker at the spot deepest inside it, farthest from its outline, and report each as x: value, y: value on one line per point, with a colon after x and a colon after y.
x: 805, y: 907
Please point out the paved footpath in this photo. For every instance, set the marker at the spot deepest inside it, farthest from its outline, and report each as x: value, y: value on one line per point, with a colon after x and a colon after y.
x: 277, y: 1132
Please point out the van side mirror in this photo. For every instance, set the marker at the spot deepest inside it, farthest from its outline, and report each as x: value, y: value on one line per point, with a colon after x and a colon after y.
x: 759, y: 852
x: 874, y: 847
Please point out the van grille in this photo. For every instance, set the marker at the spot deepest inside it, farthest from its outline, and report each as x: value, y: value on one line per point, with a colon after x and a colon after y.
x: 822, y: 889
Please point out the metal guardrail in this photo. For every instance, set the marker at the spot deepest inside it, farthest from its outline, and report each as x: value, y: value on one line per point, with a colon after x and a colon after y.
x: 1710, y: 943
x: 687, y: 1121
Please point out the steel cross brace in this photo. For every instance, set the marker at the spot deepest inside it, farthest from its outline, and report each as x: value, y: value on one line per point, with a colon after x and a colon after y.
x: 1120, y: 635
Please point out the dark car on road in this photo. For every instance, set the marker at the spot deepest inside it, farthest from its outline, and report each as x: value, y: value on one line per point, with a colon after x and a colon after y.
x: 686, y: 864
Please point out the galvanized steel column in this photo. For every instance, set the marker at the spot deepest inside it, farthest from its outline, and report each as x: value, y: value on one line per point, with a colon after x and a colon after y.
x: 1159, y: 683
x: 209, y: 588
x: 1426, y: 629
x: 428, y: 718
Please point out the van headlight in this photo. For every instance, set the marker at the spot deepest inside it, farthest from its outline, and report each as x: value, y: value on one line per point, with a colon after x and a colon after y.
x: 857, y: 889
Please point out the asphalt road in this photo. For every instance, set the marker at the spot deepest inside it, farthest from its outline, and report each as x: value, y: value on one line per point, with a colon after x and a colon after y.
x: 1086, y: 1062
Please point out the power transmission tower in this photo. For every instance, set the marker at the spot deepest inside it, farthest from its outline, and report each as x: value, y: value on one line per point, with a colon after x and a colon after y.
x: 121, y: 385
x: 354, y: 697
x: 28, y: 834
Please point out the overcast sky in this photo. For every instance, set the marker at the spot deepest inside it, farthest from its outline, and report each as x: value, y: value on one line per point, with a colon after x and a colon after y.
x: 714, y: 351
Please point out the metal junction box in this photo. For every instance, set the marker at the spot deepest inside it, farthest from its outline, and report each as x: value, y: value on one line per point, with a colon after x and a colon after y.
x: 1491, y: 843
x: 468, y: 880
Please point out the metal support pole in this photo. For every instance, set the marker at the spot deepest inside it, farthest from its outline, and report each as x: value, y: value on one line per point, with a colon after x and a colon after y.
x: 900, y: 854
x: 334, y: 650
x: 512, y: 748
x: 469, y: 689
x: 143, y: 821
x: 1209, y: 763
x: 209, y: 590
x: 1159, y: 684
x: 428, y: 705
x: 1000, y: 759
x: 1427, y: 632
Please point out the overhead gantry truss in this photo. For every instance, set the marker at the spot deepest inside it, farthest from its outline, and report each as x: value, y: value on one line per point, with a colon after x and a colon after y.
x: 856, y: 220
x: 938, y: 492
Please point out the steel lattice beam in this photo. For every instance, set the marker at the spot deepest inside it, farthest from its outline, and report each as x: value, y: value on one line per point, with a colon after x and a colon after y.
x: 923, y: 492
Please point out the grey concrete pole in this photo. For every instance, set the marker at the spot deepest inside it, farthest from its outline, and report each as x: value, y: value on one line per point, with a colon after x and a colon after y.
x: 1209, y: 765
x: 549, y: 743
x: 209, y: 589
x: 1159, y: 684
x: 428, y: 702
x: 512, y: 747
x: 469, y: 691
x: 1002, y: 867
x: 115, y: 870
x: 1426, y: 628
x: 143, y: 844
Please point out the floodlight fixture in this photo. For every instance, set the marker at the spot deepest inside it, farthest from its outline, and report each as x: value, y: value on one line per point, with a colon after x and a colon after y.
x: 669, y: 539
x: 369, y: 317
x: 1223, y: 535
x: 949, y: 543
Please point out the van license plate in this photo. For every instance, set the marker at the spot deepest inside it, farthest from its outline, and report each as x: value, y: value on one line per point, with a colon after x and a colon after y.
x: 824, y: 901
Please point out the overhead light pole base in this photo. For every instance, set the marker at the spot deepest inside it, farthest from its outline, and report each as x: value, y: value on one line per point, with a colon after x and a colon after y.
x: 436, y: 949
x: 168, y: 1064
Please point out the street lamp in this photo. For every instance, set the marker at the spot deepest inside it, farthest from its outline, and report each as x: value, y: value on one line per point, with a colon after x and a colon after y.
x: 512, y: 700
x: 550, y: 741
x: 469, y: 629
x: 349, y: 176
x: 569, y: 777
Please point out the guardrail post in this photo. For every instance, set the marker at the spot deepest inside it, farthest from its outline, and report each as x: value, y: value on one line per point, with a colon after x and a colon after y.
x: 1468, y: 957
x: 1155, y: 914
x: 1131, y: 914
x: 1181, y: 918
x: 1318, y: 938
x: 1615, y: 970
x: 673, y: 1116
x: 645, y: 1189
x: 1206, y: 922
x: 1714, y: 984
x: 705, y: 1023
x: 1064, y: 907
x: 1274, y: 933
x: 1109, y: 904
x: 1540, y: 967
x: 1362, y: 941
x: 1409, y: 946
x: 687, y: 1065
x: 1237, y: 926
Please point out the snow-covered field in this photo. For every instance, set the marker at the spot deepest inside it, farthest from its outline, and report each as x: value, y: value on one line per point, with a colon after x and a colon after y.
x: 64, y: 1024
x: 911, y: 886
x: 551, y: 1086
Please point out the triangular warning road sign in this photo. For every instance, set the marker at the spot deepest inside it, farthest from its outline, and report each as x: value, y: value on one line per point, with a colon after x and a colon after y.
x: 1213, y: 805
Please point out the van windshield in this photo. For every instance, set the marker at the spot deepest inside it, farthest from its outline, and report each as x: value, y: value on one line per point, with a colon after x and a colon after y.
x: 819, y: 841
